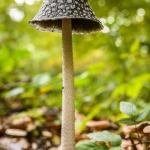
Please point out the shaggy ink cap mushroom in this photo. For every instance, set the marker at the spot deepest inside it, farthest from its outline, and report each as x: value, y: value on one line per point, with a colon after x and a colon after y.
x: 67, y: 16
x: 50, y: 15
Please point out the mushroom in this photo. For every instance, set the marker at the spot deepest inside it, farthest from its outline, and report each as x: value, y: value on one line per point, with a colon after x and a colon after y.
x: 67, y: 16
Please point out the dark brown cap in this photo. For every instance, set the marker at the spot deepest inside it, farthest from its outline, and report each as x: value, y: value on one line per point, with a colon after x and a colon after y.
x: 50, y: 15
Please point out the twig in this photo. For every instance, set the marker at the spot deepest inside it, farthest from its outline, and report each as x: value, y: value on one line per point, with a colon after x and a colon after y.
x: 137, y: 132
x: 131, y: 145
x: 132, y: 141
x: 137, y: 143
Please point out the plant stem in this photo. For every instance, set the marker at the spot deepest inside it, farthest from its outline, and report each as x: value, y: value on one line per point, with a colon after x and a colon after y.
x: 68, y: 110
x: 137, y: 132
x: 132, y: 141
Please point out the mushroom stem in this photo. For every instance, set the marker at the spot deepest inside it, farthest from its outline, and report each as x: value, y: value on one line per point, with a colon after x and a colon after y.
x: 68, y: 110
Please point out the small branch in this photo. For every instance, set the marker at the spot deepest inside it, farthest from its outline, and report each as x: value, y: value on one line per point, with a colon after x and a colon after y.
x: 132, y: 141
x: 145, y: 141
x: 132, y: 145
x: 137, y: 144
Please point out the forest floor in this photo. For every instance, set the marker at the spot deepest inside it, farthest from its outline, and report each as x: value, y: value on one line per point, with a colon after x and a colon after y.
x: 26, y: 132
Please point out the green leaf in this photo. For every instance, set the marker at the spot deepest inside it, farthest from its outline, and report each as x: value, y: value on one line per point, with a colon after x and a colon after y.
x: 141, y: 116
x: 96, y: 68
x: 116, y: 148
x: 126, y: 121
x: 135, y: 46
x: 127, y: 108
x: 91, y: 145
x: 106, y: 136
x: 15, y: 92
x: 94, y: 111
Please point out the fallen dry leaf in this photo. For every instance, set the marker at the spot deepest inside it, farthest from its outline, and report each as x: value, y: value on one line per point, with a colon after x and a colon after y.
x: 98, y: 124
x: 16, y: 132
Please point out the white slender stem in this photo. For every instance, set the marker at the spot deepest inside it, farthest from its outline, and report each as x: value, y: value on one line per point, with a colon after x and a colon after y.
x: 68, y: 110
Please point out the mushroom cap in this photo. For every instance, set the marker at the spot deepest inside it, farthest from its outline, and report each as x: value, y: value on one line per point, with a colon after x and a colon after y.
x: 50, y: 15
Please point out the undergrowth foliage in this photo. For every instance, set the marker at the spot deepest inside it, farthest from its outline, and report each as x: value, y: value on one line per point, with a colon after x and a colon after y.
x: 135, y: 122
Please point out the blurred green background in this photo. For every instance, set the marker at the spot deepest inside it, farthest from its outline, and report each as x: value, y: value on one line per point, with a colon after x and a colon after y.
x: 110, y: 66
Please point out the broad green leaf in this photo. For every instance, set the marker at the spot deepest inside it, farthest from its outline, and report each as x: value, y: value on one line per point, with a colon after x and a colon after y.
x: 135, y: 87
x: 116, y: 148
x: 141, y: 116
x: 127, y: 108
x: 15, y: 92
x: 82, y: 80
x: 106, y: 136
x: 94, y: 111
x: 126, y: 121
x: 119, y: 90
x: 135, y: 46
x: 41, y: 80
x: 90, y: 145
x: 96, y: 68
